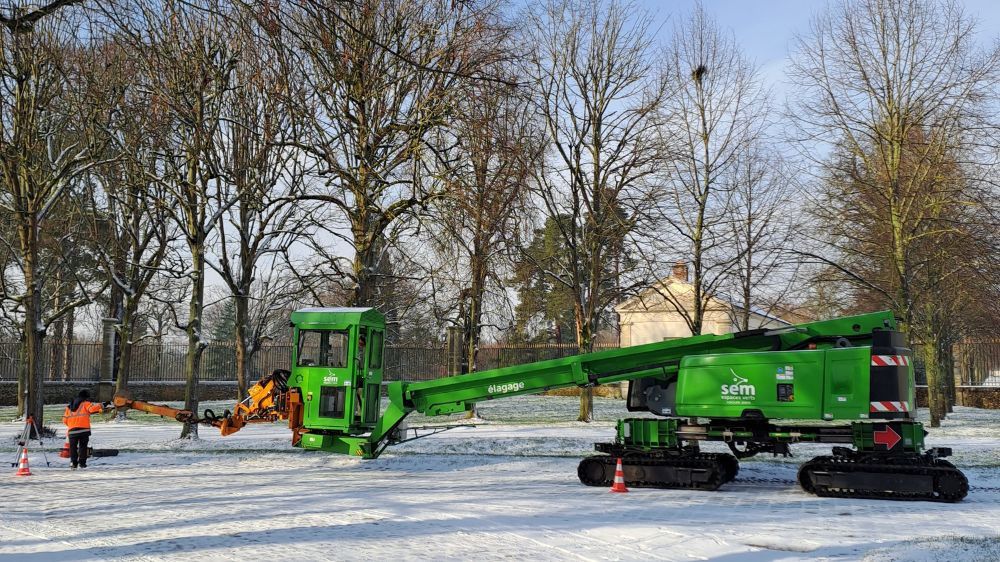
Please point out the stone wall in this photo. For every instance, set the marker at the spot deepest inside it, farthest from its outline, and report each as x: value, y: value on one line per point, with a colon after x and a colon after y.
x: 974, y: 397
x: 988, y: 397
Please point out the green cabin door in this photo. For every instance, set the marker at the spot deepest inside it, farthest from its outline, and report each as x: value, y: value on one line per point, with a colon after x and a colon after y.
x: 372, y: 376
x: 360, y: 367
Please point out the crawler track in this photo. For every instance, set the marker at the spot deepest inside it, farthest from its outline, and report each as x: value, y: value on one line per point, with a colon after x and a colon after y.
x: 698, y: 471
x: 914, y: 477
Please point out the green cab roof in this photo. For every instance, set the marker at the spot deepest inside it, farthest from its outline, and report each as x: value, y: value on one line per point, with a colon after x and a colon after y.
x: 338, y: 315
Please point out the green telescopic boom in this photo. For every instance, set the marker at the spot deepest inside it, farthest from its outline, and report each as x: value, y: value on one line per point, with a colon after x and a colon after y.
x: 458, y: 393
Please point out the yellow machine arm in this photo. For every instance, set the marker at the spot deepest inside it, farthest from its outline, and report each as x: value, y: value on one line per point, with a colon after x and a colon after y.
x: 266, y: 401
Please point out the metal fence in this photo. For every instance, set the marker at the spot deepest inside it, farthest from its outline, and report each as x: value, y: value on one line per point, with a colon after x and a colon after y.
x: 978, y: 363
x: 164, y: 362
x: 79, y: 360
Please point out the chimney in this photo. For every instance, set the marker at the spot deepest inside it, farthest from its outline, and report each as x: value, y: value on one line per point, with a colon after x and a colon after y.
x: 680, y: 271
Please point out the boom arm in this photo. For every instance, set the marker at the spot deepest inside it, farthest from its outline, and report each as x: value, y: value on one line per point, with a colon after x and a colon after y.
x: 659, y: 360
x: 181, y: 415
x: 265, y: 402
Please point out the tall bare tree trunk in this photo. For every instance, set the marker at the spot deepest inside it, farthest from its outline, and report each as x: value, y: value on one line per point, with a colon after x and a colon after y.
x: 126, y: 332
x: 474, y: 315
x: 584, y: 344
x: 34, y: 328
x: 22, y: 379
x: 948, y: 374
x: 366, y: 253
x: 243, y: 345
x: 196, y: 345
x: 932, y: 367
x: 118, y: 266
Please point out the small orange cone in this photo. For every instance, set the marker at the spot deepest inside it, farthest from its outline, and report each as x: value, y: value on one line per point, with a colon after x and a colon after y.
x: 22, y: 469
x: 619, y: 484
x: 64, y: 452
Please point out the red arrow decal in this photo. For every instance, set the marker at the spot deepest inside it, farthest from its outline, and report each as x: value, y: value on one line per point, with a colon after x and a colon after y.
x: 887, y: 437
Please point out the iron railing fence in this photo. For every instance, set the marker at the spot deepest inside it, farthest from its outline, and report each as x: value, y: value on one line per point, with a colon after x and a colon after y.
x: 978, y: 363
x: 60, y: 361
x: 164, y: 362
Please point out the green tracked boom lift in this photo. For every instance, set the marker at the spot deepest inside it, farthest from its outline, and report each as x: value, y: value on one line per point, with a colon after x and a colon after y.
x: 847, y: 382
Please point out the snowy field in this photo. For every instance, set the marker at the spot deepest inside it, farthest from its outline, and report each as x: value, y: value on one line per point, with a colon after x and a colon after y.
x: 504, y: 489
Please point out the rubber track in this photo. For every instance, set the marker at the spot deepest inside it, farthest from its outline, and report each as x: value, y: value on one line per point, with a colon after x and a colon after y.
x: 776, y: 480
x: 723, y: 468
x: 942, y: 469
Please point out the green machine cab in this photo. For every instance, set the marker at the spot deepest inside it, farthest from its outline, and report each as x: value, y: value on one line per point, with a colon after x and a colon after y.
x: 337, y: 367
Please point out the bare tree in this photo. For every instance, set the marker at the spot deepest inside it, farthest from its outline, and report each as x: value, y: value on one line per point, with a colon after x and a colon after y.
x: 264, y: 174
x: 128, y: 219
x: 44, y: 148
x: 63, y: 259
x: 188, y: 61
x: 381, y: 76
x: 889, y: 93
x: 488, y: 168
x: 593, y: 92
x: 956, y: 286
x: 763, y: 276
x: 711, y: 124
x: 490, y: 150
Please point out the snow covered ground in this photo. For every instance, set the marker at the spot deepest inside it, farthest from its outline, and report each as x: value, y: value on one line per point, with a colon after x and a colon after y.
x: 504, y: 489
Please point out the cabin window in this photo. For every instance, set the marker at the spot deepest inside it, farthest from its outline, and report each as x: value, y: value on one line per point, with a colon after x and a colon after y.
x: 322, y: 348
x: 375, y: 355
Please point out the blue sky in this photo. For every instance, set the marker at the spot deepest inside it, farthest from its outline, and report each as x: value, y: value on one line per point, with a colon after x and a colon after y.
x: 765, y: 29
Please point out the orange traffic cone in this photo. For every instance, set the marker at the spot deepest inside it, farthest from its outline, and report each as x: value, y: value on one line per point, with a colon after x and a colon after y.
x: 619, y: 484
x: 64, y: 452
x: 22, y: 469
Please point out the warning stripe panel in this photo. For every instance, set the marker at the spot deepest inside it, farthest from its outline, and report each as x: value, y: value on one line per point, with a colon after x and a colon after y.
x: 889, y: 406
x: 890, y: 361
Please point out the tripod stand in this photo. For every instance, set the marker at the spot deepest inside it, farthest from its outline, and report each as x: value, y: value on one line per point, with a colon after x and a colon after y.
x: 22, y: 441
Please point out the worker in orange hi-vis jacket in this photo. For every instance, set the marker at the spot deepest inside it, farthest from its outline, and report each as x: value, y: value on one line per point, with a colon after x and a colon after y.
x: 77, y: 420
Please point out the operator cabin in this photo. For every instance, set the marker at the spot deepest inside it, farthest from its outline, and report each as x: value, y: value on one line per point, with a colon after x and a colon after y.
x: 651, y: 317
